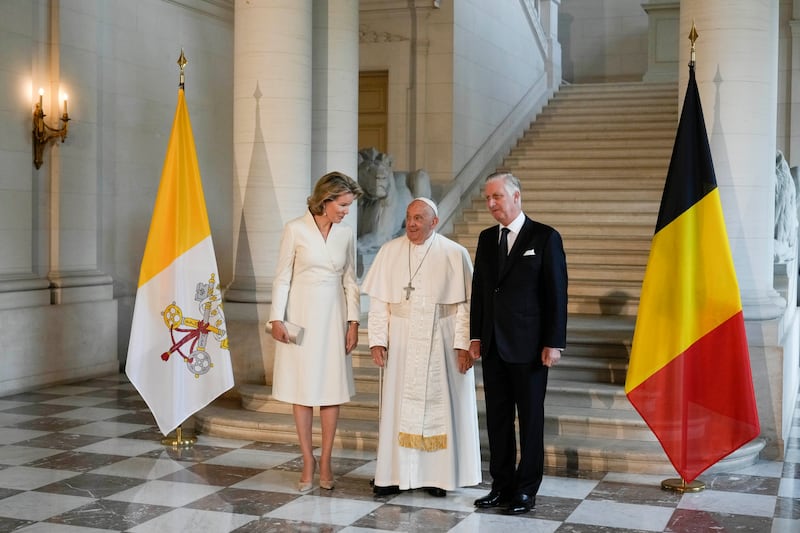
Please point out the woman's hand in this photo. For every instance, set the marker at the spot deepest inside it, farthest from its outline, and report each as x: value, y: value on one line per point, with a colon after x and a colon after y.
x: 351, y: 337
x: 279, y: 332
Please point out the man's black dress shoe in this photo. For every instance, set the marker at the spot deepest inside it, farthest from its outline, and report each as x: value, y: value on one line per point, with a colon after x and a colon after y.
x: 521, y: 503
x: 436, y: 492
x: 493, y: 499
x: 385, y: 491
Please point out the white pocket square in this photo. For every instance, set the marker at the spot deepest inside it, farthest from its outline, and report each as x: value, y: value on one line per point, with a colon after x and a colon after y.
x: 529, y: 252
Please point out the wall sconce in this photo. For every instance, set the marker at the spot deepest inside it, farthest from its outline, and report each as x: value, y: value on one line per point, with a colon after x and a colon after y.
x: 42, y: 133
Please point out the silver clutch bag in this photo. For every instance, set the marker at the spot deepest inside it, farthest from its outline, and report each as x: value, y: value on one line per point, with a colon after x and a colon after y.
x: 295, y: 331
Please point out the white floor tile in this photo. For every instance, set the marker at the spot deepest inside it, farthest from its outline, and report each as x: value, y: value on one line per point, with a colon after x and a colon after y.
x: 789, y: 488
x: 717, y: 501
x: 566, y: 487
x: 91, y: 413
x: 118, y: 446
x: 623, y: 515
x: 13, y: 435
x: 28, y: 478
x: 39, y: 505
x: 461, y: 500
x: 272, y: 481
x: 252, y: 458
x: 108, y: 429
x: 193, y: 521
x: 483, y: 522
x: 169, y: 493
x: 19, y: 455
x: 142, y: 468
x: 321, y: 510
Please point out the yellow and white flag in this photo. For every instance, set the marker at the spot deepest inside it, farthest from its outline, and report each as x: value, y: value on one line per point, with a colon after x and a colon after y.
x: 178, y: 356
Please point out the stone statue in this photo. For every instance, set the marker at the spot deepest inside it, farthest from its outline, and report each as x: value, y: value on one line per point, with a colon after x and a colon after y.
x: 387, y: 193
x: 786, y: 222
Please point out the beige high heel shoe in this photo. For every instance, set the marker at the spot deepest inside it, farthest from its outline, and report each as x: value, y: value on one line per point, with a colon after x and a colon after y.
x: 305, y: 486
x: 326, y: 484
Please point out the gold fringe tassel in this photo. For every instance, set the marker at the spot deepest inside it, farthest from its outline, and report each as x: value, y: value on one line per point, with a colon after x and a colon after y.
x: 418, y: 442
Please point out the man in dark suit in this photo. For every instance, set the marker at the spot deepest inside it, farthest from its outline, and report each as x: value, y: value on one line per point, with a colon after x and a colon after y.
x: 518, y: 323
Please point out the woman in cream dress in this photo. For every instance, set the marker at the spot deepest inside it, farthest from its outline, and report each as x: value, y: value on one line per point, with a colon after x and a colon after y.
x: 315, y: 287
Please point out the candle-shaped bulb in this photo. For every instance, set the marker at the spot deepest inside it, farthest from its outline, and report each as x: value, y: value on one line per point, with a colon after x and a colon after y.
x: 66, y: 97
x: 41, y: 93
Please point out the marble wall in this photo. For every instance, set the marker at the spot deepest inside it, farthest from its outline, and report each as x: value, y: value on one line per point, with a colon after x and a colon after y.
x: 448, y: 92
x: 73, y: 231
x: 603, y: 40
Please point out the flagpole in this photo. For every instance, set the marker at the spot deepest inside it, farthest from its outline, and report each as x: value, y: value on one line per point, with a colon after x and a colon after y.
x: 679, y: 484
x: 180, y: 440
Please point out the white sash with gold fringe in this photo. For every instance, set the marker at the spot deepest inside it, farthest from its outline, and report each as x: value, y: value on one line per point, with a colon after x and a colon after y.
x: 423, y: 417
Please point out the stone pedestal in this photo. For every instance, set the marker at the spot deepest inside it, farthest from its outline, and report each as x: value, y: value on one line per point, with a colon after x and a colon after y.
x: 662, y: 41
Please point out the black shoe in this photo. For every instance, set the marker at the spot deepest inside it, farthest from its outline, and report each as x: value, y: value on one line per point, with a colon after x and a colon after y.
x: 436, y: 492
x: 494, y: 499
x: 385, y: 491
x: 520, y: 504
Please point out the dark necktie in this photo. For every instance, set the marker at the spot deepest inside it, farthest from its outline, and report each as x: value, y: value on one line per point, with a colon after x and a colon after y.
x: 502, y: 252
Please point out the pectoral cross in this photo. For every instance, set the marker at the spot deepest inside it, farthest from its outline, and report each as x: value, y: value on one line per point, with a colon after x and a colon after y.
x: 408, y: 290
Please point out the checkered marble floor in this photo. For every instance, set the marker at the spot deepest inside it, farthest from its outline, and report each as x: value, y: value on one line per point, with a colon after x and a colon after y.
x: 87, y: 457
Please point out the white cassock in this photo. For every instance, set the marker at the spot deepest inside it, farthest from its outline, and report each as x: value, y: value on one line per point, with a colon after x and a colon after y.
x: 428, y: 433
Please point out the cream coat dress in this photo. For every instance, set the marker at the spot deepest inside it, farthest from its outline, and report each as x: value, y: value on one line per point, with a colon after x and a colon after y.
x: 315, y: 287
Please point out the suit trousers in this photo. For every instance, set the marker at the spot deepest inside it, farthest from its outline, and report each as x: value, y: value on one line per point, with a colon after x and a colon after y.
x: 510, y: 387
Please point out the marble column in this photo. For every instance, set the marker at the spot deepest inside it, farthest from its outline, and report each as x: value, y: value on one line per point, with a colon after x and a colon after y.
x: 334, y: 139
x: 736, y: 71
x: 272, y: 109
x: 737, y: 76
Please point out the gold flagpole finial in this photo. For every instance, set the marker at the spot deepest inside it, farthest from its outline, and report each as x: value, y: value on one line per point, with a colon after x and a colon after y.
x: 182, y: 63
x: 692, y: 37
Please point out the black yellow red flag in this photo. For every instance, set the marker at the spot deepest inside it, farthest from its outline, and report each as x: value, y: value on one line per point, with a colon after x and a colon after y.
x: 689, y: 374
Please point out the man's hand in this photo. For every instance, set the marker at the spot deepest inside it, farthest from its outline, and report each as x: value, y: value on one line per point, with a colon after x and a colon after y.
x: 475, y: 349
x: 550, y: 356
x: 464, y: 360
x: 378, y: 355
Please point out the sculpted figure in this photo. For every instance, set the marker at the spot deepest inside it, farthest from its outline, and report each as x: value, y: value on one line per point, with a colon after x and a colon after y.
x: 382, y: 208
x: 785, y: 211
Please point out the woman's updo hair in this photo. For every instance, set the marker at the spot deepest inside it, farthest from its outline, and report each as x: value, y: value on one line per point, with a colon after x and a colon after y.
x: 328, y: 188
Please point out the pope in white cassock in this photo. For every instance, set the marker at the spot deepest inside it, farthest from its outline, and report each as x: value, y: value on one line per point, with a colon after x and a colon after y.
x: 419, y: 287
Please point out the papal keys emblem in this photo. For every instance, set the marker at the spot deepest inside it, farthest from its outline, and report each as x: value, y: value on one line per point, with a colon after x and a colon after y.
x: 195, y: 331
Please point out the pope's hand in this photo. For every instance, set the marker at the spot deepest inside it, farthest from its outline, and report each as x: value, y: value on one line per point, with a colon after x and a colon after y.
x: 378, y: 355
x: 464, y: 360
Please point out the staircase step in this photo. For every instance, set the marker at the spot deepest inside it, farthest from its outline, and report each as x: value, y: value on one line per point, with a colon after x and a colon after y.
x: 659, y: 124
x: 590, y: 151
x: 666, y: 133
x: 578, y: 146
x: 543, y: 163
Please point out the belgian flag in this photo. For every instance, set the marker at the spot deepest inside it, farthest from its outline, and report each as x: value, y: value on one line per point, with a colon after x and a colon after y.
x: 689, y: 374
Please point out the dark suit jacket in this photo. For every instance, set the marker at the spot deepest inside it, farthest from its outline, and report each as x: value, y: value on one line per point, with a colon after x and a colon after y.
x: 523, y: 308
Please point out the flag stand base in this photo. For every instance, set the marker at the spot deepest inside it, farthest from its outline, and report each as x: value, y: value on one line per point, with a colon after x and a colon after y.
x: 679, y: 485
x: 179, y: 440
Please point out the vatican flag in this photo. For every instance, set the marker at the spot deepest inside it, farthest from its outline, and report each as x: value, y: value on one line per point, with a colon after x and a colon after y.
x: 178, y: 356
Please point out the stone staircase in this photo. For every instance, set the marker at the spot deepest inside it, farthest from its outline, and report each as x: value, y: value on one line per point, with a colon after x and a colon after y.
x: 593, y: 166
